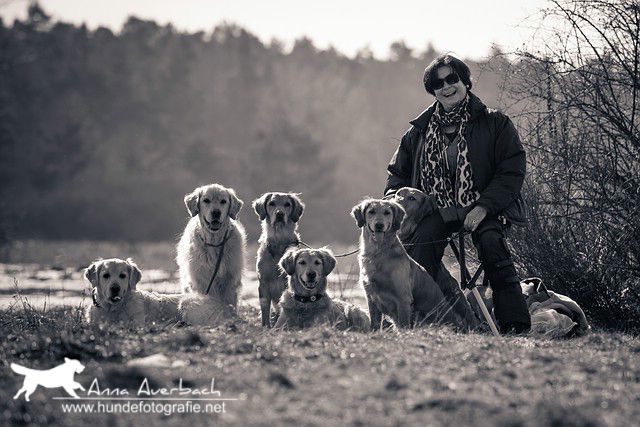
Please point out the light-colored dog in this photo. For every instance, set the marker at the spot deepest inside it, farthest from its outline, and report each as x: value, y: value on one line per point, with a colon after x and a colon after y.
x: 59, y: 376
x: 394, y: 283
x: 306, y: 302
x: 210, y: 255
x: 116, y: 299
x: 279, y: 213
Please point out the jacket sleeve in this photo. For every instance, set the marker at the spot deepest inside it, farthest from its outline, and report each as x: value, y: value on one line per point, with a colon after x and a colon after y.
x: 400, y: 167
x: 510, y: 168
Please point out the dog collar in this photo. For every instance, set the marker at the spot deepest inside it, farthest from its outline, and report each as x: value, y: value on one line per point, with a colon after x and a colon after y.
x: 312, y: 298
x: 93, y: 297
x: 224, y: 240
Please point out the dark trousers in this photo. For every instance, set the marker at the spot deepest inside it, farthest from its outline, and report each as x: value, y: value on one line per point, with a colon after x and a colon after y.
x: 489, y: 238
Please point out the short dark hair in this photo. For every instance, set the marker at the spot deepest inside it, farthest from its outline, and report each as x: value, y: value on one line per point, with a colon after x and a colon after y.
x: 446, y: 60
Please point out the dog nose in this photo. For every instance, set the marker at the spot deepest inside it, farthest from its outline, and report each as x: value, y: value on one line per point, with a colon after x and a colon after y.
x: 379, y: 226
x: 279, y: 215
x: 216, y: 214
x: 311, y: 275
x: 115, y: 288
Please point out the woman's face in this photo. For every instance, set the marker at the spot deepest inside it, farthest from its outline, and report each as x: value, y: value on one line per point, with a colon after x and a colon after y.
x: 449, y: 95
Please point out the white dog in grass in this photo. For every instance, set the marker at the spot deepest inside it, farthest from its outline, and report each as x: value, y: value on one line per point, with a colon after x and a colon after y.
x: 210, y: 256
x: 60, y: 376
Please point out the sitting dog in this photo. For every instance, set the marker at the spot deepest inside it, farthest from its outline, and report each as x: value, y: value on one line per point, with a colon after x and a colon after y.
x: 279, y: 213
x: 418, y: 205
x: 394, y: 283
x: 210, y: 255
x: 116, y: 299
x: 306, y: 302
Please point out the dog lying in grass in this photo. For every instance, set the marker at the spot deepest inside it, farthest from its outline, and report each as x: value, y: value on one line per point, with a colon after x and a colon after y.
x: 116, y: 299
x: 306, y: 302
x: 394, y: 283
x: 279, y: 214
x: 210, y: 255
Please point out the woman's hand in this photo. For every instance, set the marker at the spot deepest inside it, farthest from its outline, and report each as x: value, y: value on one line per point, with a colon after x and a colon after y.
x: 474, y: 218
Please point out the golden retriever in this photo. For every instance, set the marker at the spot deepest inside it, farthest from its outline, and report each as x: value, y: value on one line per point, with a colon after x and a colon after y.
x: 306, y: 302
x: 116, y: 299
x: 418, y: 205
x: 210, y: 255
x: 395, y: 285
x: 279, y: 214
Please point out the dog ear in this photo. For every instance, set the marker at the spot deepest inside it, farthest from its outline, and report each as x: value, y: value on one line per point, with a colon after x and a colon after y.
x: 236, y: 204
x: 192, y: 202
x: 398, y: 215
x: 358, y: 213
x: 428, y: 206
x: 328, y: 261
x: 260, y: 205
x: 134, y: 274
x: 298, y: 207
x: 92, y: 273
x: 288, y: 262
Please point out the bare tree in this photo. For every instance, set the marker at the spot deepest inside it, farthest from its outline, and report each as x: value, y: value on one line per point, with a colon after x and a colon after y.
x: 580, y: 93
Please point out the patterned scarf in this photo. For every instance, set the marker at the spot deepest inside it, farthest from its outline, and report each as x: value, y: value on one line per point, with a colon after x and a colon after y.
x: 433, y: 163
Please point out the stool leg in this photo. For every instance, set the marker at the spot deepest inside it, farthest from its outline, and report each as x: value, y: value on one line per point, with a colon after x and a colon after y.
x: 485, y: 312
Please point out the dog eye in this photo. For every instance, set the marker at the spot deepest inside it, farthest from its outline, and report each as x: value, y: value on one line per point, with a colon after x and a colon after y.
x: 207, y: 201
x: 223, y: 202
x: 317, y: 262
x: 272, y: 203
x: 302, y: 262
x: 371, y: 212
x: 387, y: 212
x: 287, y: 204
x: 122, y: 275
x: 106, y: 275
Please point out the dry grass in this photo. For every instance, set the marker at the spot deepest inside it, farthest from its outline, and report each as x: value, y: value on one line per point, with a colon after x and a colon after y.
x: 325, y: 377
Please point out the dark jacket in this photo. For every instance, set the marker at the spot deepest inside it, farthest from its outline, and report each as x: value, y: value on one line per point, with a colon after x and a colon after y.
x: 495, y: 153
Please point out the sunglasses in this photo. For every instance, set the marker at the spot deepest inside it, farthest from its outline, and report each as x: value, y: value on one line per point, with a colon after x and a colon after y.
x: 451, y: 79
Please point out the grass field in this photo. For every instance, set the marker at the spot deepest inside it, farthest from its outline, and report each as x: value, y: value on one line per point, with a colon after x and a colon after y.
x: 314, y: 377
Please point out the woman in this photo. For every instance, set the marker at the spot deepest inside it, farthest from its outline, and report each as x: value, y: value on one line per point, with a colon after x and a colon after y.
x: 470, y: 160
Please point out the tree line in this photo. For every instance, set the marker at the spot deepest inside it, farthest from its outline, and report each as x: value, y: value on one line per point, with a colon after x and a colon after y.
x: 103, y: 133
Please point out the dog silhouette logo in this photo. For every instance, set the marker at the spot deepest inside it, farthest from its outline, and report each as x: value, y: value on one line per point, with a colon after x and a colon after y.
x: 59, y: 376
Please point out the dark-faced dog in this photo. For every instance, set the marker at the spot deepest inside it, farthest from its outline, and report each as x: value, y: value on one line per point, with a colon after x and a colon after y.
x: 394, y: 283
x: 417, y: 206
x: 279, y: 213
x: 306, y: 302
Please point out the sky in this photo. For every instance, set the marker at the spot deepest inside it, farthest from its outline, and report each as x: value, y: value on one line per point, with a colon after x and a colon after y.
x: 468, y: 28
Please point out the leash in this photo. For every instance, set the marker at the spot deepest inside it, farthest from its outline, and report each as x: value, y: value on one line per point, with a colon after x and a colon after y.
x: 447, y: 240
x: 219, y: 260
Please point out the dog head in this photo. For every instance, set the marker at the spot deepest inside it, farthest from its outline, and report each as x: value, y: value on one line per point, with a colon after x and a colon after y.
x: 279, y: 208
x: 214, y: 204
x: 74, y: 364
x: 378, y: 217
x: 416, y: 204
x: 112, y: 280
x: 308, y: 270
x: 534, y: 290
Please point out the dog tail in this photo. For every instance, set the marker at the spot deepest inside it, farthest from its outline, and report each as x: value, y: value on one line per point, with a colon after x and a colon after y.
x: 357, y: 319
x: 19, y: 369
